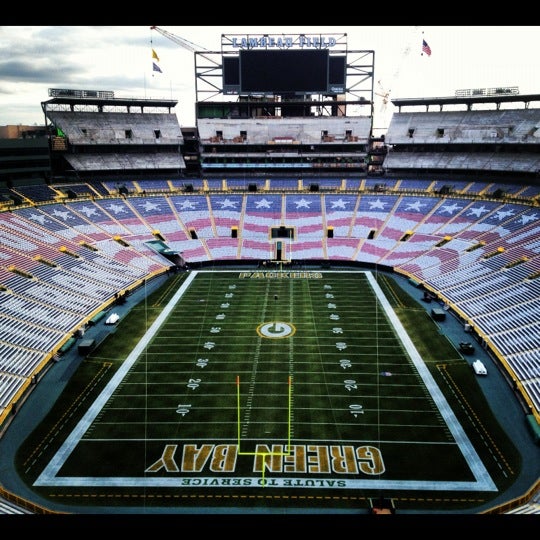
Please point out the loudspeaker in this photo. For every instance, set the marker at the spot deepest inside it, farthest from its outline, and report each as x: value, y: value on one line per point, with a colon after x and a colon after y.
x: 313, y: 187
x: 252, y: 187
x: 330, y: 233
x: 234, y: 233
x: 188, y: 188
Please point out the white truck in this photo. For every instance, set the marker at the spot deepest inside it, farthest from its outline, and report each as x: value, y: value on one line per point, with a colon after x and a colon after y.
x: 479, y: 367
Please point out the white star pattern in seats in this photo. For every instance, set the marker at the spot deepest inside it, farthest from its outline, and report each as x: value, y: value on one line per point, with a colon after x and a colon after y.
x: 227, y: 204
x: 302, y: 203
x: 377, y: 204
x: 117, y: 208
x: 450, y: 208
x: 38, y: 218
x: 64, y: 215
x: 87, y: 211
x: 340, y: 203
x: 478, y: 211
x: 148, y: 205
x: 415, y: 206
x: 263, y: 204
x: 528, y: 218
x: 188, y: 205
x: 501, y: 214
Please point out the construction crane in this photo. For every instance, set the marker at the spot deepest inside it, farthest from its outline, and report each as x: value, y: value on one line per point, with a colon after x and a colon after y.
x: 186, y: 44
x: 384, y: 93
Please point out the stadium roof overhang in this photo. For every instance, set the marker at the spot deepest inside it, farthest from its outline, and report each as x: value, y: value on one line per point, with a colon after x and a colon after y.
x: 469, y: 101
x: 103, y: 103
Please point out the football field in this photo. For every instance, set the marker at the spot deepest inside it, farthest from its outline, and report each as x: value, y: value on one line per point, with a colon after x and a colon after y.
x: 289, y: 382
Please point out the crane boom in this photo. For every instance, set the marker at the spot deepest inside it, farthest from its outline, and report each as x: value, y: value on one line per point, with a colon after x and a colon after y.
x: 385, y: 93
x: 179, y: 40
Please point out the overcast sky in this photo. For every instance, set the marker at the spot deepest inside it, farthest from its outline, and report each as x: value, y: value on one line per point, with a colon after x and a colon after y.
x: 119, y: 58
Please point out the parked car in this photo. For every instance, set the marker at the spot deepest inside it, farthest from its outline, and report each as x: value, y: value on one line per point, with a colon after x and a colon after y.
x: 466, y: 347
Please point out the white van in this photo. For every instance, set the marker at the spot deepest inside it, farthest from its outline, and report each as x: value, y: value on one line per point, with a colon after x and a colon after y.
x: 479, y: 368
x: 113, y: 319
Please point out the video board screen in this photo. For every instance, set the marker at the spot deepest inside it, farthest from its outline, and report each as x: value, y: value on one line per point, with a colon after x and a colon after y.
x: 337, y: 74
x: 231, y: 72
x: 283, y: 72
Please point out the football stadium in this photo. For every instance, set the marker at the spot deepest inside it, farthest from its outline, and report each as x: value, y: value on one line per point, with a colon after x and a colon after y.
x: 275, y: 311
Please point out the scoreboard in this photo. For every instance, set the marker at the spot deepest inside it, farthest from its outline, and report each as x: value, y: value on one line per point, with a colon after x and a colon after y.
x: 284, y: 72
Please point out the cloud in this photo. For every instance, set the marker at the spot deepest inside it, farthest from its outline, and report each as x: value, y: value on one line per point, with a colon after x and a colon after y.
x: 118, y: 58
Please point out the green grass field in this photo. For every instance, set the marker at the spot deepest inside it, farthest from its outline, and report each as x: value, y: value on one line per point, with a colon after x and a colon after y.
x: 272, y: 389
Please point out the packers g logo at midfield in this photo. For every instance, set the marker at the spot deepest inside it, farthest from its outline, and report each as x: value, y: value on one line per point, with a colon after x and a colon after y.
x: 276, y: 330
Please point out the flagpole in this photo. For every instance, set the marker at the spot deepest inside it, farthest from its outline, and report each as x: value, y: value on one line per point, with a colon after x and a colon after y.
x: 152, y: 49
x: 425, y: 47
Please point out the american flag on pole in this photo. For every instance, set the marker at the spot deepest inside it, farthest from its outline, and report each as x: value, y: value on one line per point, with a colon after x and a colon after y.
x: 426, y: 48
